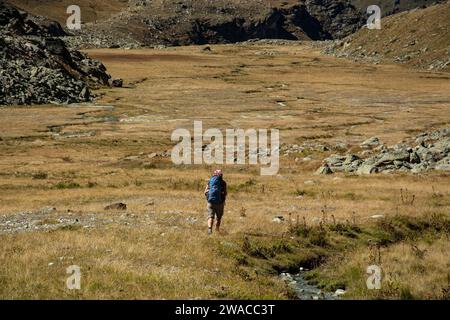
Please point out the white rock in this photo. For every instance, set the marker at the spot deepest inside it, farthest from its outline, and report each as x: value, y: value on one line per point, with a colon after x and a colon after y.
x: 278, y: 219
x: 339, y: 292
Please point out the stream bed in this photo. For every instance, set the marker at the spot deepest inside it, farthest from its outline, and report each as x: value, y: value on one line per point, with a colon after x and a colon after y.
x: 307, y: 291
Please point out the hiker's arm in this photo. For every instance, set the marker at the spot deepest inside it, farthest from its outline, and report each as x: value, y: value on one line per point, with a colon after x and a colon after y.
x: 207, y: 190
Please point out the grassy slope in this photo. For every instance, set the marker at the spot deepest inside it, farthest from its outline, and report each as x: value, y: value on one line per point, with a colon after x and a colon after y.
x: 424, y: 35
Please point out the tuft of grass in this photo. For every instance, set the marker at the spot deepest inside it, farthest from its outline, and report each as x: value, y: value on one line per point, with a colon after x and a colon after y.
x: 40, y: 175
x: 91, y: 184
x: 182, y: 184
x: 67, y: 185
x: 242, y: 187
x: 259, y: 249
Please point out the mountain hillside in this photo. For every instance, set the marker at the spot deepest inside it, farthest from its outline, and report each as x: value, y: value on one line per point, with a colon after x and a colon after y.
x: 91, y: 11
x: 174, y: 22
x: 419, y: 38
x: 389, y: 7
x: 132, y: 23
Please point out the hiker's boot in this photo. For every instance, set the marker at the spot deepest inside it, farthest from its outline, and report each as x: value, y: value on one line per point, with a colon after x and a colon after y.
x: 209, y: 231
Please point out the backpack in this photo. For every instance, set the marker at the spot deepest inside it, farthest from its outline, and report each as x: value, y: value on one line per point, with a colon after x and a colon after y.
x: 215, y: 190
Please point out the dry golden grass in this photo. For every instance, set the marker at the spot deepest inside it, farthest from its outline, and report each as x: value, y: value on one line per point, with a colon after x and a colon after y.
x: 167, y: 254
x: 400, y: 36
x: 410, y: 270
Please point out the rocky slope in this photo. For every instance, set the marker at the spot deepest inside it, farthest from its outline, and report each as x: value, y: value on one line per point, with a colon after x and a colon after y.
x: 419, y: 38
x: 35, y: 65
x: 389, y: 7
x: 132, y: 23
x: 170, y: 22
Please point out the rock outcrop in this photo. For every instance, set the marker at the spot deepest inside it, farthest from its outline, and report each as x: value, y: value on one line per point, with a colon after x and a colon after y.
x: 431, y: 152
x: 36, y: 67
x: 338, y: 18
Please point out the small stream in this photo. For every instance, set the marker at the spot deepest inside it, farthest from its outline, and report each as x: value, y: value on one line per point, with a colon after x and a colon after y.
x: 306, y: 291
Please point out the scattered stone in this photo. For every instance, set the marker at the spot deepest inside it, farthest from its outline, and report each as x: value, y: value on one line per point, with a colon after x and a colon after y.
x: 278, y: 219
x: 44, y: 221
x: 131, y: 158
x: 371, y: 143
x: 118, y: 83
x: 341, y: 146
x: 116, y: 206
x: 325, y: 169
x: 339, y: 292
x: 46, y: 210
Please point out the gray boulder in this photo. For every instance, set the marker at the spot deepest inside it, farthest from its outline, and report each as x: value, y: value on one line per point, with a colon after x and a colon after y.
x: 350, y: 158
x: 392, y: 156
x: 367, y: 169
x: 325, y: 169
x: 370, y: 143
x: 443, y: 164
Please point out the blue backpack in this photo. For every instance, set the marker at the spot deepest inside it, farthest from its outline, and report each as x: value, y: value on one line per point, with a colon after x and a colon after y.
x: 215, y: 190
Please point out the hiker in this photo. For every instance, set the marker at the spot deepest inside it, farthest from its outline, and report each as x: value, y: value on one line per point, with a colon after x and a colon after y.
x: 216, y: 193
